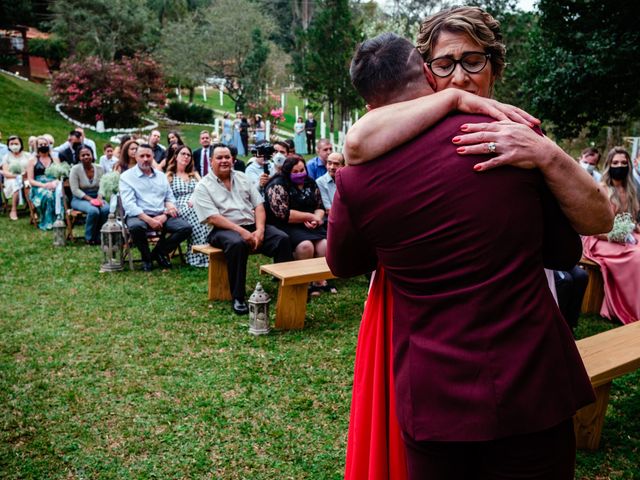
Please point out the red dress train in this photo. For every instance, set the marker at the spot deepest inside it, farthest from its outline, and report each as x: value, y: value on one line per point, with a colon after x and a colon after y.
x: 375, y: 450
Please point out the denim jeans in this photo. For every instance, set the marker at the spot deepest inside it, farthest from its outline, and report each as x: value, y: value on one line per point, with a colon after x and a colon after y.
x: 96, y: 216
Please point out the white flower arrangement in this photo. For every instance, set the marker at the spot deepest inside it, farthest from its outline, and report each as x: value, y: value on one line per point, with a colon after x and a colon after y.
x: 15, y: 168
x: 109, y: 185
x: 623, y: 226
x: 58, y: 170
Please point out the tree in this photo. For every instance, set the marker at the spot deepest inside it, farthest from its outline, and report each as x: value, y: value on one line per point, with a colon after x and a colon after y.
x: 182, y: 53
x: 235, y: 46
x: 323, y: 63
x: 581, y: 70
x: 108, y: 29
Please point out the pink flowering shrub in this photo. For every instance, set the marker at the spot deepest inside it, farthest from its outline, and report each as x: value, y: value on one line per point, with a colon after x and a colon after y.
x: 277, y: 114
x: 117, y: 92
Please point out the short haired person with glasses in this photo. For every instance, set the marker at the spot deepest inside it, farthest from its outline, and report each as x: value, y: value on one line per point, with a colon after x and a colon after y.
x: 464, y: 56
x: 230, y: 203
x: 487, y: 376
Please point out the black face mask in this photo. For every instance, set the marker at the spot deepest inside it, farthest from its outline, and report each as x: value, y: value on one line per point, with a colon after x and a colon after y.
x: 43, y: 149
x: 619, y: 173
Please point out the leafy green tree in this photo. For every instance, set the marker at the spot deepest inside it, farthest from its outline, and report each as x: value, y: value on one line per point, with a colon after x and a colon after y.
x: 109, y: 29
x: 168, y: 10
x: 182, y: 51
x: 582, y: 70
x: 322, y: 64
x: 234, y: 40
x: 52, y: 49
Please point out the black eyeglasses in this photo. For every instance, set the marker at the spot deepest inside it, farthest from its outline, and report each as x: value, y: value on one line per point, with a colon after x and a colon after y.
x: 471, y: 62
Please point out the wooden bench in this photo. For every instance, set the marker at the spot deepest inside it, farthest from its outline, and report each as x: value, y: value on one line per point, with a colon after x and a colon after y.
x: 594, y: 295
x: 218, y: 276
x: 295, y: 277
x: 606, y: 356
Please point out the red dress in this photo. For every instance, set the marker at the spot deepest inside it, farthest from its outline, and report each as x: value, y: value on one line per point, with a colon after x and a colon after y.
x: 375, y: 450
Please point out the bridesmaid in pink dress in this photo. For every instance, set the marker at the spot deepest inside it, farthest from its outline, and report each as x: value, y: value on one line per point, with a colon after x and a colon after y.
x: 619, y: 261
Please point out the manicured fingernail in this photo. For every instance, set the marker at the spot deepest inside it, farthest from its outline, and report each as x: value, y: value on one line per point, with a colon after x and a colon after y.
x: 460, y: 149
x: 456, y: 140
x: 464, y: 128
x: 477, y: 167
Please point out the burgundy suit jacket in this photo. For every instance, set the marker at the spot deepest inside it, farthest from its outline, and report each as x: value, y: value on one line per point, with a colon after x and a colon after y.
x: 480, y: 348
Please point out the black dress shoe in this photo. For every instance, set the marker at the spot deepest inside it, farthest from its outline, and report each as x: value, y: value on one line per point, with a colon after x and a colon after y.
x: 147, y: 266
x: 163, y: 261
x: 240, y: 307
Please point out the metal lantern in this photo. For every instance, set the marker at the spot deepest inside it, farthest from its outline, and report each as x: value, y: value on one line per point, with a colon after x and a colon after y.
x: 111, y: 244
x: 59, y: 233
x: 259, y: 311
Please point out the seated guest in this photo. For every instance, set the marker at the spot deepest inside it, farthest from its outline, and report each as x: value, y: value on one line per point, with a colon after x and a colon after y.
x: 589, y: 159
x: 294, y: 205
x: 228, y: 201
x: 158, y: 150
x: 13, y: 180
x: 202, y: 155
x: 84, y: 180
x: 183, y: 180
x: 256, y: 168
x: 281, y: 147
x: 149, y: 205
x: 169, y: 156
x: 327, y: 182
x: 127, y: 156
x: 317, y: 166
x: 570, y: 288
x: 238, y: 165
x: 69, y: 153
x: 618, y: 253
x: 43, y: 187
x: 108, y: 160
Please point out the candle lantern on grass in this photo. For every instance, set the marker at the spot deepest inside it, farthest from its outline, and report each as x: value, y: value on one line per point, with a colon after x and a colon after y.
x: 59, y: 233
x: 259, y: 311
x: 111, y: 244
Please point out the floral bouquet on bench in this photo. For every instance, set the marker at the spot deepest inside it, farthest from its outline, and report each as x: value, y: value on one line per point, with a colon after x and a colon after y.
x: 623, y: 226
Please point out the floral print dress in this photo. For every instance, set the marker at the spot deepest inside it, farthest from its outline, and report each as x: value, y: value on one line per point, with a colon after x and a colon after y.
x: 182, y: 191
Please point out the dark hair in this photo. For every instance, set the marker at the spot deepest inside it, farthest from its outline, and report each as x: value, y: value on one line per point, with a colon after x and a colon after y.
x: 124, y: 162
x: 384, y: 67
x: 292, y: 145
x: 290, y: 162
x: 172, y: 167
x: 282, y: 144
x: 16, y: 137
x: 590, y: 151
x: 233, y: 150
x: 75, y: 133
x: 174, y: 132
x: 106, y: 145
x: 84, y: 146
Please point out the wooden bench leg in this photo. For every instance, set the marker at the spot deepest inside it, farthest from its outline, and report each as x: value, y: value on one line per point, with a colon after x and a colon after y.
x: 218, y: 278
x: 291, y: 307
x: 594, y: 295
x: 589, y: 420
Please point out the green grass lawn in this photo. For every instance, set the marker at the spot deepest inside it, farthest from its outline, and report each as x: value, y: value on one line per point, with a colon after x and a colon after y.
x: 134, y: 375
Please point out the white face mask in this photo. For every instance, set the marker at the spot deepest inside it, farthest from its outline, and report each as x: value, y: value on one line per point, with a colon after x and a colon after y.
x: 14, y: 148
x: 588, y: 167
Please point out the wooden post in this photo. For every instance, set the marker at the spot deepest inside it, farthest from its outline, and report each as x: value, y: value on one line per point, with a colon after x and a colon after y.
x: 594, y: 295
x: 204, y: 93
x: 218, y: 277
x: 291, y: 307
x: 588, y: 421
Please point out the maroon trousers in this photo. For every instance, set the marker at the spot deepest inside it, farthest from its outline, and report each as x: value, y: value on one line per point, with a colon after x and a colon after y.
x: 546, y: 455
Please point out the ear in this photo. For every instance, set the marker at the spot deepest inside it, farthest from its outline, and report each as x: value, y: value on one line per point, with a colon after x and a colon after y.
x: 429, y: 76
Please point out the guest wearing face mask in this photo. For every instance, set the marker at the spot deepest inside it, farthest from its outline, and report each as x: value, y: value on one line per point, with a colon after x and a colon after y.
x: 618, y: 253
x: 589, y: 159
x: 16, y: 158
x: 294, y: 205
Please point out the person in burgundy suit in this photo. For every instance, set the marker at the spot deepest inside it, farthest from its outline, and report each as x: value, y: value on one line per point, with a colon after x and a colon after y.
x: 487, y: 375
